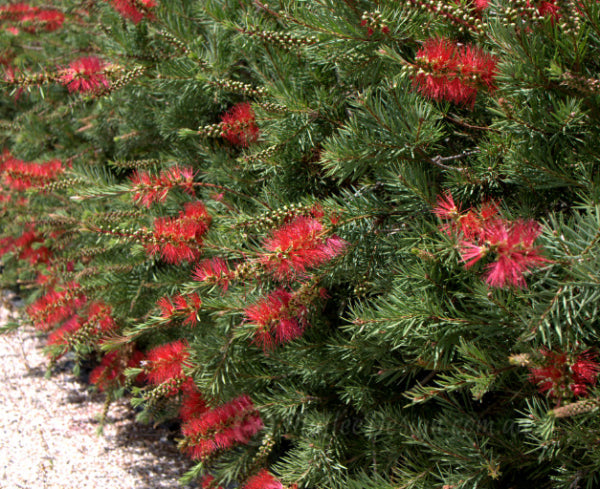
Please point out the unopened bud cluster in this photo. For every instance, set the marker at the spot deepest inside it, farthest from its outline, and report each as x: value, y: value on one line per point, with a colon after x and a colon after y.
x: 580, y: 83
x: 272, y: 107
x: 166, y: 389
x: 118, y: 216
x: 61, y: 184
x: 126, y: 79
x: 171, y: 39
x: 465, y: 18
x: 264, y: 450
x: 374, y: 23
x: 239, y: 87
x: 148, y: 163
x: 28, y: 79
x: 277, y: 217
x: 283, y: 40
x: 211, y: 130
x: 261, y: 155
x: 569, y: 20
x: 575, y: 408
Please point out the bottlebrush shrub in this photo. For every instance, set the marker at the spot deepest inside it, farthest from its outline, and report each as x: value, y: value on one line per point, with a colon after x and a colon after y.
x: 333, y: 297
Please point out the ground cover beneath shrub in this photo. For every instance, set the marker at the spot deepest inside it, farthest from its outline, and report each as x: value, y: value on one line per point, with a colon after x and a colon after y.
x: 48, y: 429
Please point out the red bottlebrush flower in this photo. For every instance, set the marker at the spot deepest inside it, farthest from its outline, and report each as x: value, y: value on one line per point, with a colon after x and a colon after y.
x: 221, y: 428
x: 180, y: 239
x: 186, y: 306
x: 277, y: 318
x: 189, y: 306
x: 207, y: 482
x: 263, y: 480
x: 167, y: 308
x: 193, y: 404
x: 446, y: 71
x: 484, y: 233
x: 213, y: 271
x: 562, y: 376
x: 26, y: 247
x: 515, y: 252
x: 471, y: 253
x: 165, y: 362
x: 481, y: 4
x: 55, y: 306
x: 84, y: 75
x: 99, y: 318
x: 112, y: 367
x: 134, y: 10
x: 20, y: 175
x: 61, y: 335
x: 16, y: 11
x: 238, y: 125
x: 151, y: 188
x: 50, y: 20
x: 97, y: 322
x: 446, y: 208
x: 298, y: 245
x: 548, y: 9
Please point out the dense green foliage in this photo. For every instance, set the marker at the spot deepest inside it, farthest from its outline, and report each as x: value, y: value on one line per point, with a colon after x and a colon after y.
x: 427, y: 345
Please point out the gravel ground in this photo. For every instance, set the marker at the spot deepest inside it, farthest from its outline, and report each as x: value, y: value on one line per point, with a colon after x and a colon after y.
x: 48, y: 430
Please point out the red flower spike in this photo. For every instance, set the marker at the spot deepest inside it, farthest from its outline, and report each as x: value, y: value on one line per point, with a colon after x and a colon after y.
x: 61, y: 335
x: 446, y: 208
x: 134, y: 10
x: 150, y: 188
x: 513, y: 245
x: 298, y: 245
x: 276, y: 320
x: 213, y: 271
x: 193, y: 404
x: 167, y: 309
x: 55, y: 306
x: 19, y: 175
x: 112, y: 367
x: 180, y: 239
x: 207, y: 482
x: 26, y: 247
x: 51, y: 20
x: 484, y: 233
x: 446, y: 71
x: 263, y: 480
x: 561, y: 376
x: 238, y: 125
x: 100, y: 316
x: 221, y: 428
x: 165, y: 362
x: 84, y: 75
x: 191, y: 305
x: 16, y: 11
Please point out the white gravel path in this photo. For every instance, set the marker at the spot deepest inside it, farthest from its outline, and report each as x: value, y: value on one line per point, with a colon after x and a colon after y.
x: 48, y: 430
